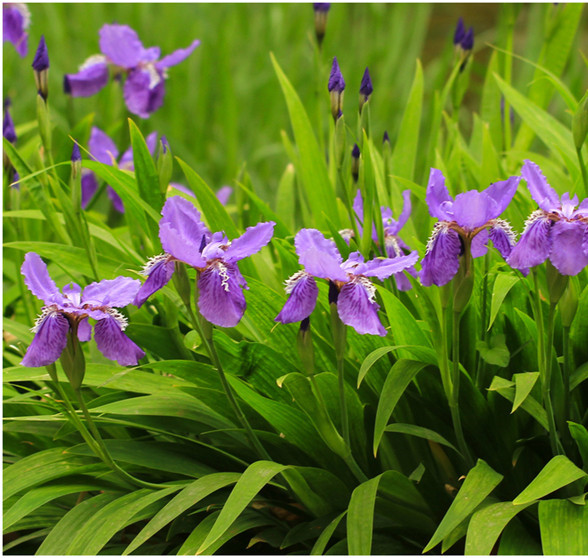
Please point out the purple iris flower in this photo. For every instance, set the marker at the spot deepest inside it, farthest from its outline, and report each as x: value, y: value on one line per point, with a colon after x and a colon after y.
x: 185, y: 238
x: 8, y: 130
x: 72, y: 308
x: 557, y: 230
x: 469, y: 220
x: 460, y: 32
x: 321, y: 6
x: 356, y: 303
x: 394, y: 245
x: 366, y: 88
x: 16, y: 19
x: 104, y: 150
x: 336, y: 81
x: 123, y: 50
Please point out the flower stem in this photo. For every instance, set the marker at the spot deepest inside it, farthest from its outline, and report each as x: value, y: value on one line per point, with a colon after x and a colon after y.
x: 556, y: 447
x: 454, y: 400
x: 339, y: 338
x: 566, y: 414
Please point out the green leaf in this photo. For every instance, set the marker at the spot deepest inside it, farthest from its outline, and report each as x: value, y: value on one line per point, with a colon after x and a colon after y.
x: 398, y: 379
x: 187, y: 498
x: 506, y: 388
x: 564, y: 528
x: 145, y: 171
x: 479, y: 483
x: 524, y: 383
x: 255, y: 477
x: 494, y: 351
x: 321, y: 543
x: 558, y: 472
x: 580, y: 435
x: 487, y: 524
x: 421, y: 432
x: 503, y: 284
x: 312, y: 168
x: 360, y: 517
x: 406, y: 146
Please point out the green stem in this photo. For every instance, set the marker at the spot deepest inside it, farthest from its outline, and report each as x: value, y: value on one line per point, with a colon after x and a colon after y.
x: 583, y: 169
x: 480, y: 367
x: 546, y: 384
x: 454, y: 401
x: 343, y: 399
x: 539, y: 321
x: 566, y: 415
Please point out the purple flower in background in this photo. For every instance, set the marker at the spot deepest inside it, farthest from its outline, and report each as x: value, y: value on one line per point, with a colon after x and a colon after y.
x: 469, y: 220
x: 71, y: 309
x: 41, y: 68
x: 185, y: 238
x: 16, y: 19
x: 366, y: 88
x: 557, y: 230
x: 145, y: 71
x: 336, y: 87
x: 321, y: 6
x: 103, y: 149
x: 321, y: 11
x: 223, y: 194
x: 467, y: 43
x: 460, y: 32
x: 8, y: 130
x: 356, y: 303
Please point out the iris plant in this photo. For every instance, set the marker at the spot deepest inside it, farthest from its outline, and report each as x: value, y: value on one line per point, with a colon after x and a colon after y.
x: 558, y: 230
x: 465, y: 225
x: 145, y: 71
x: 185, y: 238
x: 355, y: 298
x: 70, y: 310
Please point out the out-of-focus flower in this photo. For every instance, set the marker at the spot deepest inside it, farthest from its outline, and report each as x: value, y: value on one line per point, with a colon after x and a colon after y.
x: 558, y: 230
x: 354, y: 293
x: 103, y: 149
x: 321, y: 11
x: 145, y: 71
x: 8, y: 130
x: 185, y: 238
x: 366, y: 89
x: 71, y: 310
x: 41, y: 68
x: 468, y: 221
x: 336, y: 88
x: 223, y: 194
x: 355, y: 153
x: 16, y: 19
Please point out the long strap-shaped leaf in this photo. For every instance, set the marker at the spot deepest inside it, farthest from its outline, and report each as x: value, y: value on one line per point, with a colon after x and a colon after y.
x: 251, y: 482
x: 360, y: 517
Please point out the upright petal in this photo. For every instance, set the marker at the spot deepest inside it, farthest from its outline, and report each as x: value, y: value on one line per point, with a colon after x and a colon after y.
x: 221, y: 300
x: 250, y: 242
x: 545, y: 196
x: 437, y: 196
x: 501, y: 193
x: 382, y: 268
x: 318, y: 255
x: 115, y: 199
x: 534, y: 246
x: 144, y: 91
x: 87, y: 82
x: 402, y: 281
x: 177, y: 56
x: 101, y: 147
x: 471, y: 209
x: 49, y: 341
x: 38, y: 281
x: 303, y: 293
x: 122, y: 45
x: 114, y: 344
x: 567, y: 253
x: 159, y: 271
x: 114, y: 293
x: 357, y: 308
x: 441, y: 260
x: 568, y: 205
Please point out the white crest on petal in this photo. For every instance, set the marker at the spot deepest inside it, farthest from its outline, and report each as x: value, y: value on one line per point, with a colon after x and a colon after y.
x: 441, y: 227
x: 368, y: 286
x: 93, y: 60
x: 46, y: 312
x: 152, y: 262
x: 24, y: 12
x: 391, y: 242
x: 535, y: 216
x: 291, y: 282
x: 224, y: 274
x: 505, y: 227
x: 116, y: 315
x: 154, y: 75
x: 347, y: 234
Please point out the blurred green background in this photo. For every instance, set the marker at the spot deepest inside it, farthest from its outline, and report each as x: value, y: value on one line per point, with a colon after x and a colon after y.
x: 223, y: 105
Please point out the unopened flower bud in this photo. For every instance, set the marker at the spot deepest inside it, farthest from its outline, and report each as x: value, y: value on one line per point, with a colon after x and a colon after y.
x: 366, y: 89
x: 386, y: 138
x: 321, y: 11
x: 41, y: 68
x: 467, y: 42
x: 76, y: 161
x: 355, y: 162
x: 459, y: 32
x: 336, y: 88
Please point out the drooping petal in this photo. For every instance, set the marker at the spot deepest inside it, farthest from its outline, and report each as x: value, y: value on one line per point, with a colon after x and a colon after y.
x: 143, y: 91
x: 115, y: 199
x: 437, y: 196
x: 88, y: 81
x: 111, y: 292
x: 177, y: 56
x: 384, y: 267
x: 221, y: 300
x: 101, y: 147
x: 503, y: 237
x: 318, y: 255
x: 250, y: 242
x: 357, y: 308
x: 441, y: 260
x: 159, y: 271
x: 38, y: 281
x: 114, y: 344
x: 89, y: 186
x: 501, y: 193
x: 402, y: 281
x: 479, y: 246
x: 84, y: 330
x: 535, y: 243
x: 471, y: 209
x: 181, y: 231
x: 545, y: 196
x: 49, y: 341
x: 567, y: 253
x: 122, y: 45
x: 303, y: 293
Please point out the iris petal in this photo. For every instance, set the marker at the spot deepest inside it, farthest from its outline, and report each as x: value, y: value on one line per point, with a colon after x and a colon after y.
x: 357, y: 308
x: 111, y: 292
x: 159, y: 275
x: 221, y: 300
x: 441, y: 262
x: 545, y: 196
x: 318, y: 255
x: 303, y: 293
x: 250, y: 242
x: 567, y: 252
x: 49, y: 341
x: 534, y: 246
x: 114, y: 344
x: 38, y: 281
